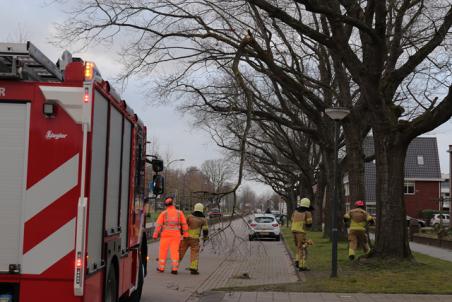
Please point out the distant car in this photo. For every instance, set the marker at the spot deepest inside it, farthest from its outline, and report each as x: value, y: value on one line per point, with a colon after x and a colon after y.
x: 214, y: 213
x: 264, y: 226
x: 436, y: 219
x: 419, y: 221
x: 277, y: 215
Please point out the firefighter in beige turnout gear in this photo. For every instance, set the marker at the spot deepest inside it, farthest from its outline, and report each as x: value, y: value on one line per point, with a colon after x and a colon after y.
x: 357, y: 221
x: 301, y: 219
x: 197, y: 225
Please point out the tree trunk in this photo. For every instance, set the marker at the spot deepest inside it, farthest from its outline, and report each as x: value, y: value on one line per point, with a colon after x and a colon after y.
x: 391, y: 231
x: 331, y: 180
x: 291, y: 203
x: 306, y: 188
x: 355, y: 162
x: 318, y: 202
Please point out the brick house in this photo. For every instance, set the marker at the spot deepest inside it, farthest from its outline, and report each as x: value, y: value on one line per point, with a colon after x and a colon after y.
x: 422, y: 176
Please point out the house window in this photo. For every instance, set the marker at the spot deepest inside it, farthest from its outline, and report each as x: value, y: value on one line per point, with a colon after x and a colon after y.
x: 409, y: 188
x: 420, y: 160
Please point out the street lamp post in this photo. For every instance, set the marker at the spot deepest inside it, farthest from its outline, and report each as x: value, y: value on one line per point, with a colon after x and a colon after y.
x: 168, y: 165
x: 337, y: 114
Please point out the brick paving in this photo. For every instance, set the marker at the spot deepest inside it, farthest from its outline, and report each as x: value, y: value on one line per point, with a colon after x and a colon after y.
x: 251, y: 263
x: 223, y: 263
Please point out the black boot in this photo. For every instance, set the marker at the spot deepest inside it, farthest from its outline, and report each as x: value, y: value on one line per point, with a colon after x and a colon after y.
x: 304, y: 269
x: 297, y: 263
x: 194, y: 271
x: 351, y: 257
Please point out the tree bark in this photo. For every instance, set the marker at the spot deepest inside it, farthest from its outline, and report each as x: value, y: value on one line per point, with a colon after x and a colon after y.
x: 391, y: 231
x: 291, y: 202
x: 355, y: 162
x: 318, y: 202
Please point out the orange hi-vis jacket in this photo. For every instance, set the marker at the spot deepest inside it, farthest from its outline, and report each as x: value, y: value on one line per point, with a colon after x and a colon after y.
x: 171, y: 223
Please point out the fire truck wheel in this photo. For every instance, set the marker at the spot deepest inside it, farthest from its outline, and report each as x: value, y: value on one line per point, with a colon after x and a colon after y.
x: 136, y: 295
x: 111, y: 292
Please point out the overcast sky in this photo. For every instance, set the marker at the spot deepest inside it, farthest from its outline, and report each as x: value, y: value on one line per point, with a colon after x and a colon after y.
x: 34, y: 20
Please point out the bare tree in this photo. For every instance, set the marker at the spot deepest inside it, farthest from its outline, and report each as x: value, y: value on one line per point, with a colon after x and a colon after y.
x: 218, y: 172
x: 386, y: 60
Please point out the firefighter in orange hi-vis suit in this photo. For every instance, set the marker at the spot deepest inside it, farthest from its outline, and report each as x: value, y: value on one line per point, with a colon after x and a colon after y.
x: 170, y: 225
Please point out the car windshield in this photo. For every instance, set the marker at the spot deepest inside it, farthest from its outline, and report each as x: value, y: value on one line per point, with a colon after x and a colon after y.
x: 264, y: 219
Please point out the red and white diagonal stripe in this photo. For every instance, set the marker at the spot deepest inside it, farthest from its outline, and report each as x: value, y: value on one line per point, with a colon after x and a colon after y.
x: 49, y: 229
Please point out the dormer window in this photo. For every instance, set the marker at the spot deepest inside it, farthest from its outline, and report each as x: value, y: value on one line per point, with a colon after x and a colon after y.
x: 420, y: 160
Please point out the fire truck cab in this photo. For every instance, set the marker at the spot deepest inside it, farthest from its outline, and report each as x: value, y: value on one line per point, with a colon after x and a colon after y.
x: 72, y: 183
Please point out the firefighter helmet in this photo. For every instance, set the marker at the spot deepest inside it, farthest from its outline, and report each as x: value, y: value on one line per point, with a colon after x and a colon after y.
x: 304, y: 202
x: 359, y: 203
x: 199, y: 207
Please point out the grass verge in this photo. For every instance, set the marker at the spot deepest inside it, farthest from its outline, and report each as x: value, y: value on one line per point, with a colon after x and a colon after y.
x: 426, y: 275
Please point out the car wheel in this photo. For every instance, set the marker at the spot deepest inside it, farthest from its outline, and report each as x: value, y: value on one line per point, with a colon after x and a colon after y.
x: 250, y: 237
x: 278, y: 238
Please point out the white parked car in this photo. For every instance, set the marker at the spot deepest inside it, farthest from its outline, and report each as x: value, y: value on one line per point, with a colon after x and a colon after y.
x: 264, y: 226
x: 436, y: 219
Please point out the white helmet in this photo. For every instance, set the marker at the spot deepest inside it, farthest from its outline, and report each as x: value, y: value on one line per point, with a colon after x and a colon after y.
x: 199, y: 207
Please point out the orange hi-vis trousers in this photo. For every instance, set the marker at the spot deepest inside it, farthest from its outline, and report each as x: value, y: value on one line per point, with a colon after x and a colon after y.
x: 170, y: 224
x: 171, y: 243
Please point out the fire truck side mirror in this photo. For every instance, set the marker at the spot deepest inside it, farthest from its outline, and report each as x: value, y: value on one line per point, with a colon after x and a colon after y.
x: 158, y: 187
x: 157, y: 165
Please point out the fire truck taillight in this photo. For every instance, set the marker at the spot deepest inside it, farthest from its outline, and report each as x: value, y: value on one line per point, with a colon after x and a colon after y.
x: 78, y: 269
x: 89, y: 71
x: 86, y: 96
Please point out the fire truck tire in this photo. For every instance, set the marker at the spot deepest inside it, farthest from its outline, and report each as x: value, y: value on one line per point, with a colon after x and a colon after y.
x: 136, y: 295
x: 111, y: 292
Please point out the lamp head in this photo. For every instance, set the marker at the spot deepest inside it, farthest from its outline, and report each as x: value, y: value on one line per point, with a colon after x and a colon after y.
x: 337, y: 113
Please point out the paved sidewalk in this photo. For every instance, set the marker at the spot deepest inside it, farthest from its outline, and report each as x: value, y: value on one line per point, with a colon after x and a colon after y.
x: 228, y: 260
x: 433, y: 251
x: 316, y: 297
x: 251, y: 263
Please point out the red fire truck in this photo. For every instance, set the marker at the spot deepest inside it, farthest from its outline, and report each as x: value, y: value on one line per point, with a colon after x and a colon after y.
x: 72, y: 170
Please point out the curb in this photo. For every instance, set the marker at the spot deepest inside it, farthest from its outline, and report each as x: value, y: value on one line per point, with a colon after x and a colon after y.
x: 300, y: 275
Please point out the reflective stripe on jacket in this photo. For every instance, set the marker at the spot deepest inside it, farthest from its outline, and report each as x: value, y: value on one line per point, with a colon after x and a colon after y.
x: 359, y: 219
x: 171, y: 222
x: 299, y: 220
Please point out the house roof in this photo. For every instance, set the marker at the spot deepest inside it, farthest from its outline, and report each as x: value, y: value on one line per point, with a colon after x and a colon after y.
x: 421, y: 163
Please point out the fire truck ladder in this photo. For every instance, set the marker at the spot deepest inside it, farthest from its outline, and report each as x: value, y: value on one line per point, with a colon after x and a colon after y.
x: 24, y: 61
